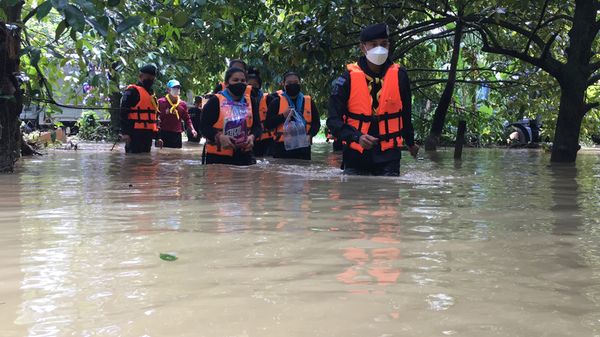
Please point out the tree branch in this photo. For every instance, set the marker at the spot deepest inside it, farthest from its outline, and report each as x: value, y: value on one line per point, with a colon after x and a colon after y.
x: 417, y: 28
x: 553, y: 68
x: 425, y: 4
x: 534, y: 31
x: 517, y: 29
x: 436, y: 80
x: 593, y: 79
x: 409, y: 30
x: 590, y: 106
x: 555, y: 18
x: 461, y: 70
x: 490, y: 85
x: 30, y: 15
x: 415, y: 43
x: 546, y: 56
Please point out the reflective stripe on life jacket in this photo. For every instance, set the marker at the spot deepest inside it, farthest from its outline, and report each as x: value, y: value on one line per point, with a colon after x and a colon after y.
x: 262, y: 109
x: 307, y: 114
x: 145, y: 113
x: 213, y: 148
x: 388, y: 114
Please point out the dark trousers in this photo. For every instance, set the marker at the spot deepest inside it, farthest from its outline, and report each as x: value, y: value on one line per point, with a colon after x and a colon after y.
x: 279, y: 151
x: 238, y: 159
x: 337, y: 145
x: 170, y: 139
x: 263, y: 147
x: 141, y: 141
x: 388, y: 169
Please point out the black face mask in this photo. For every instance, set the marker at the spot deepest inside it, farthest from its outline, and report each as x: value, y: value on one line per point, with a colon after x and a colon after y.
x: 237, y: 89
x: 147, y: 84
x: 292, y: 89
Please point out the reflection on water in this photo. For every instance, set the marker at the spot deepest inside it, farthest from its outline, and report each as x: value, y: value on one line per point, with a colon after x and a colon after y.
x: 499, y: 244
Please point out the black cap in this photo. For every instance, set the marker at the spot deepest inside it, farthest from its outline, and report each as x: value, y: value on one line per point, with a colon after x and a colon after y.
x: 148, y: 69
x: 376, y: 31
x: 290, y: 73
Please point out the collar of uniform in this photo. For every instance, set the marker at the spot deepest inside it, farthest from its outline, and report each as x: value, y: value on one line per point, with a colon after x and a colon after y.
x: 362, y: 63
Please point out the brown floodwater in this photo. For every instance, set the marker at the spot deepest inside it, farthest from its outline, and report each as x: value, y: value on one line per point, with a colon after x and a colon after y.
x: 499, y: 244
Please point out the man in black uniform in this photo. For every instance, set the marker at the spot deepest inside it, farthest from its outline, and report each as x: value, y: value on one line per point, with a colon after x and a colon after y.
x: 139, y: 114
x: 195, y: 115
x: 372, y: 138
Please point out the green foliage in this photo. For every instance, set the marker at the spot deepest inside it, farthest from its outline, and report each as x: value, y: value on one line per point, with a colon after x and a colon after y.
x: 104, y: 42
x: 90, y: 127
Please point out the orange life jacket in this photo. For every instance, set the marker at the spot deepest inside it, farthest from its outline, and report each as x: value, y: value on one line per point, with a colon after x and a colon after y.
x: 307, y: 114
x: 213, y: 148
x: 262, y: 109
x: 145, y: 113
x: 388, y: 114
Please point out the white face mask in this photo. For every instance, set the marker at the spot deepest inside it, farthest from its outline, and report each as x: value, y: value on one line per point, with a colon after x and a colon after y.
x: 377, y: 55
x: 175, y: 92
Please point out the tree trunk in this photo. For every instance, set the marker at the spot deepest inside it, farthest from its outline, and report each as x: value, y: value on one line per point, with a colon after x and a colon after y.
x: 11, y: 100
x: 441, y: 110
x: 115, y: 101
x: 115, y: 113
x: 568, y: 126
x: 573, y: 80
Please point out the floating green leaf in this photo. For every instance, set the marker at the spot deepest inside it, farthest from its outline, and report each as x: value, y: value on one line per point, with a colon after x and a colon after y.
x: 168, y: 256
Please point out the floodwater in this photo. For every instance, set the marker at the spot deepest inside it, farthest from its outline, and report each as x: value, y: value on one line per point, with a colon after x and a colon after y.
x: 500, y: 244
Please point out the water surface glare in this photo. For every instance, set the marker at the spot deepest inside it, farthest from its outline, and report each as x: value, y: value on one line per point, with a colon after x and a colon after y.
x: 500, y: 244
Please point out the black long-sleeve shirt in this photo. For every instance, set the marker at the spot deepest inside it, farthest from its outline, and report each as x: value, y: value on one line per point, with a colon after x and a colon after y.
x: 274, y: 119
x: 210, y: 115
x: 131, y: 97
x: 338, y: 108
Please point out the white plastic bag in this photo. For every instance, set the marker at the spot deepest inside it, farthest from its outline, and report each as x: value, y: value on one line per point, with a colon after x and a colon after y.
x: 294, y: 132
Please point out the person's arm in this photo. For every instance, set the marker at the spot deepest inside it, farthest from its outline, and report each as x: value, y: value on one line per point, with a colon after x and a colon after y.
x: 163, y: 106
x: 256, y: 124
x: 274, y: 119
x: 408, y: 133
x: 338, y: 108
x: 210, y: 115
x: 130, y: 99
x: 315, y: 125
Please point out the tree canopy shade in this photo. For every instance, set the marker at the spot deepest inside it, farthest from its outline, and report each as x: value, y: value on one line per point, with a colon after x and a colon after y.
x: 454, y: 51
